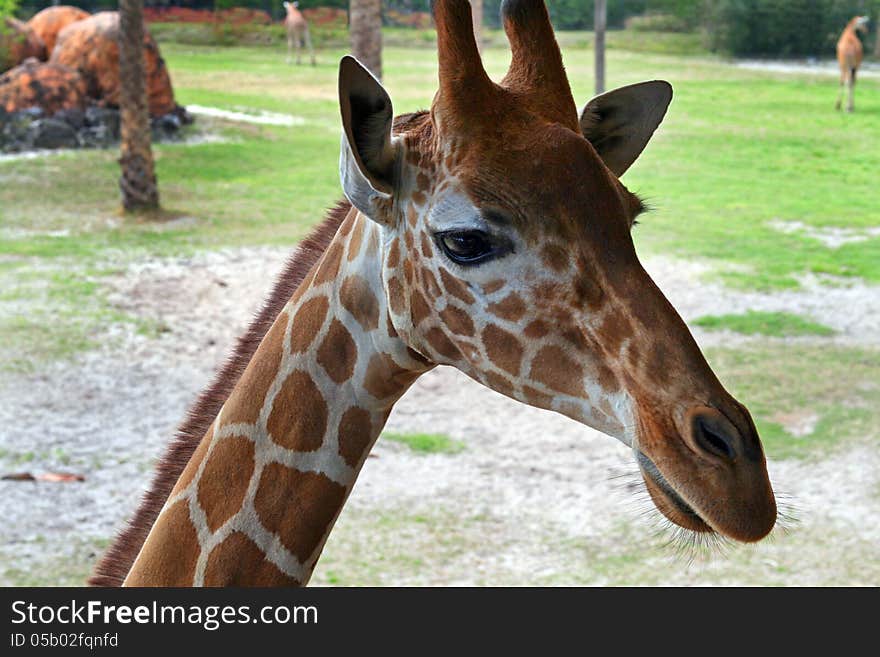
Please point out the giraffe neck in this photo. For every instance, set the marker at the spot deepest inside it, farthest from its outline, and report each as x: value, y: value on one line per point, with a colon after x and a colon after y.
x: 260, y: 494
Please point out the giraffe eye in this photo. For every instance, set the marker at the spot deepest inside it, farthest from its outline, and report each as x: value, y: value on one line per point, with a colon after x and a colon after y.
x: 467, y: 247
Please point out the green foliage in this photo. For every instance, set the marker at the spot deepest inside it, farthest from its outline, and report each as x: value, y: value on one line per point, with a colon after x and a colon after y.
x: 427, y: 443
x: 781, y: 27
x: 654, y: 22
x: 753, y: 322
x: 7, y: 9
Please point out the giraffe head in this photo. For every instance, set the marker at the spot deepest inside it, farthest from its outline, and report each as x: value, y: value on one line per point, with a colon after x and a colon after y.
x: 507, y: 253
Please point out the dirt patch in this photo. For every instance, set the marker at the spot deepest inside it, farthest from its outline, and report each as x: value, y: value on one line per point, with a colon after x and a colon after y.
x: 850, y: 307
x: 532, y: 498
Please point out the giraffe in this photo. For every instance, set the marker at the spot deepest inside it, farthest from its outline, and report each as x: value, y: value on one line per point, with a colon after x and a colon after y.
x: 297, y: 32
x: 849, y: 57
x: 491, y: 234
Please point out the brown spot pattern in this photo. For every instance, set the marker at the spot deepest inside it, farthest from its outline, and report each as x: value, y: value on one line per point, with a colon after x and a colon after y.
x: 393, y: 254
x: 225, y: 480
x: 355, y: 433
x: 169, y: 555
x: 431, y: 285
x: 299, y: 414
x: 536, y: 397
x: 500, y: 383
x: 385, y: 378
x: 455, y: 287
x: 420, y: 308
x: 354, y: 242
x: 329, y: 267
x: 338, y: 353
x: 493, y: 286
x: 357, y: 297
x: 510, y: 308
x: 427, y: 251
x: 457, y: 321
x: 395, y: 297
x: 307, y: 321
x: 392, y: 332
x: 249, y: 394
x: 553, y: 367
x: 441, y: 344
x: 536, y: 329
x: 238, y: 561
x: 298, y: 506
x: 503, y: 349
x: 194, y: 462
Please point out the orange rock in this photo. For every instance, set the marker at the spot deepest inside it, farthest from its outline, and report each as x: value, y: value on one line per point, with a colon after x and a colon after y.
x: 49, y: 22
x: 18, y: 41
x: 90, y: 45
x: 52, y: 87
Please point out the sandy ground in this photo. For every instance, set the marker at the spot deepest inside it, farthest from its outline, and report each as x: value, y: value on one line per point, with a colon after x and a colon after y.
x: 533, y: 497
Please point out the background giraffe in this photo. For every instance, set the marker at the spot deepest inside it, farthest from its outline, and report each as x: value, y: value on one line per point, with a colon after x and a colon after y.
x: 298, y: 34
x: 510, y: 259
x: 849, y: 58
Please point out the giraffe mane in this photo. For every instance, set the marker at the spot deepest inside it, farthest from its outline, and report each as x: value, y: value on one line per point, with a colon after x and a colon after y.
x: 119, y: 557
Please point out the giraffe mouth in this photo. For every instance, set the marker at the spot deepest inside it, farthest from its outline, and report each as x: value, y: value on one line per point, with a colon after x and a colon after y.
x: 667, y: 500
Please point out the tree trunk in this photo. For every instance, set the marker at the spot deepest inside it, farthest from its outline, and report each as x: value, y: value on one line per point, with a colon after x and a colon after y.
x: 477, y: 13
x: 138, y: 180
x: 599, y: 27
x: 365, y: 30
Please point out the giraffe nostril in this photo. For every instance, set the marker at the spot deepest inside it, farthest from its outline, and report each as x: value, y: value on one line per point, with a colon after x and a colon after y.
x: 714, y: 435
x: 712, y: 442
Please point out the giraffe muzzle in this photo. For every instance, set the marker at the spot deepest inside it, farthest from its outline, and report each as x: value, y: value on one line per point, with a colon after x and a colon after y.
x: 709, y: 473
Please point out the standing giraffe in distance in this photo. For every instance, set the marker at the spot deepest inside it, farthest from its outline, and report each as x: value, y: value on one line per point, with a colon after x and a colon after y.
x: 297, y: 32
x: 849, y: 58
x: 492, y: 234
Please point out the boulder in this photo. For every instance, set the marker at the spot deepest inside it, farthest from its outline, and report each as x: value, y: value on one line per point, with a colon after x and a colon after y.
x: 18, y: 42
x: 106, y: 118
x: 50, y: 87
x: 52, y: 133
x: 90, y: 45
x: 49, y: 22
x: 16, y: 133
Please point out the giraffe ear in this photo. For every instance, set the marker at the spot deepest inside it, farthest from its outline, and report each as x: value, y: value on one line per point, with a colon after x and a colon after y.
x: 619, y: 123
x: 368, y: 157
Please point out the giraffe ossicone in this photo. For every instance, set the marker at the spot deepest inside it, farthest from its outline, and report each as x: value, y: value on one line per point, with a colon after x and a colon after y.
x: 492, y: 234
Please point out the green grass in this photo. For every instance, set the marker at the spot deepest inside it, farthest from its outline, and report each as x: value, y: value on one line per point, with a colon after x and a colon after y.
x: 753, y: 322
x: 438, y: 545
x: 739, y: 151
x: 781, y: 382
x: 54, y: 311
x: 72, y: 568
x: 426, y: 443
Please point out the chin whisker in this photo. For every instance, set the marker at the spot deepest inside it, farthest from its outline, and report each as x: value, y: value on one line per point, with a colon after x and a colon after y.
x: 686, y: 547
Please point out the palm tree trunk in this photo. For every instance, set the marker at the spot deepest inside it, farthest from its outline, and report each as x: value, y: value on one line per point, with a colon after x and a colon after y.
x: 138, y: 180
x: 477, y: 14
x: 599, y: 27
x: 365, y: 30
